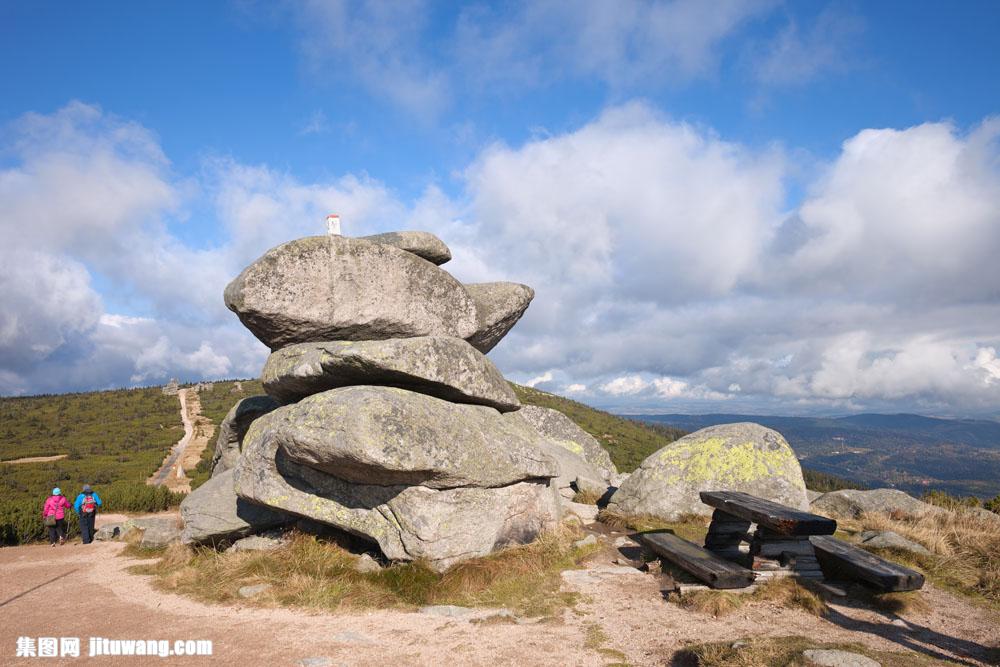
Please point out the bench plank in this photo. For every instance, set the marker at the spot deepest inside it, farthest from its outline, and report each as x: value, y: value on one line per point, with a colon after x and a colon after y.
x: 842, y: 559
x: 702, y: 563
x: 766, y: 514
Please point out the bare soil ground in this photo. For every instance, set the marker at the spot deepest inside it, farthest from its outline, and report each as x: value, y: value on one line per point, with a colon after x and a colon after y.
x: 185, y: 455
x: 37, y: 459
x: 85, y: 591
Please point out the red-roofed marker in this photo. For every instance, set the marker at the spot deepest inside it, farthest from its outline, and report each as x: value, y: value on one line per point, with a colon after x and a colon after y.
x: 333, y: 224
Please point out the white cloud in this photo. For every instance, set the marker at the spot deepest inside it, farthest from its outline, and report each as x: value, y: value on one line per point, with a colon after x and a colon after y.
x: 537, y: 380
x: 798, y: 54
x: 575, y: 388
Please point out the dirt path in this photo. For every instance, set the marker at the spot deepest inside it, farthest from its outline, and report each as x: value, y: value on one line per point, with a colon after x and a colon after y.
x: 37, y: 459
x: 186, y: 454
x: 77, y: 591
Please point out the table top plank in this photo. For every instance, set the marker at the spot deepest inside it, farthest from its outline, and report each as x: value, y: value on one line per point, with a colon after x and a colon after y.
x: 767, y: 514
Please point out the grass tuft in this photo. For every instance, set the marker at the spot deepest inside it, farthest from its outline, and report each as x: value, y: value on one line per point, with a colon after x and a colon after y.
x: 311, y: 573
x: 785, y: 592
x: 783, y: 652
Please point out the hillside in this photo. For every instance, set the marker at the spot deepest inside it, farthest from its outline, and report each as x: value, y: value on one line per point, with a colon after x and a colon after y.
x: 628, y: 441
x: 910, y: 452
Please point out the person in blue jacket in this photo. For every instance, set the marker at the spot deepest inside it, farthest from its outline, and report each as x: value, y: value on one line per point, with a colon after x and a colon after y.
x: 86, y: 507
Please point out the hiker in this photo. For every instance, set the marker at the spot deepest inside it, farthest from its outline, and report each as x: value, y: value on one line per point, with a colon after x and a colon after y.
x: 54, y: 516
x: 86, y: 506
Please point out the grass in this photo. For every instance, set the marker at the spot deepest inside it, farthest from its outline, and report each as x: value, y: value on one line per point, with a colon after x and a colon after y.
x: 783, y: 592
x: 312, y: 573
x: 596, y: 639
x: 784, y: 652
x: 964, y: 546
x: 629, y: 442
x: 691, y: 527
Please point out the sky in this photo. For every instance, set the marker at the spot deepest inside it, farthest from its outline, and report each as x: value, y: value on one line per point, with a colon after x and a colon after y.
x: 735, y: 206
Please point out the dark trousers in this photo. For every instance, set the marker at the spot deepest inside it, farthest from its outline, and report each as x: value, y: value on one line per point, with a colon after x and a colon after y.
x: 87, y: 527
x: 58, y: 531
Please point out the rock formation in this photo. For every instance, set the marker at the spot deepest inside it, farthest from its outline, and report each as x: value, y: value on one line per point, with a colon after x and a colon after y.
x: 384, y: 418
x: 735, y: 457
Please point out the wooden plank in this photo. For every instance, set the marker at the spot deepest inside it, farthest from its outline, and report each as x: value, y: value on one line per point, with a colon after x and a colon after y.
x: 702, y: 563
x: 766, y: 514
x: 841, y: 559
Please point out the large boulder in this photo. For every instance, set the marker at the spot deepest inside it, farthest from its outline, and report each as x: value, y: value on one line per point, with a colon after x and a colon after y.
x: 731, y: 457
x: 387, y: 436
x: 421, y: 244
x: 850, y: 503
x: 323, y: 288
x: 563, y: 431
x: 498, y: 308
x: 448, y: 368
x: 213, y: 514
x: 234, y: 427
x: 423, y: 478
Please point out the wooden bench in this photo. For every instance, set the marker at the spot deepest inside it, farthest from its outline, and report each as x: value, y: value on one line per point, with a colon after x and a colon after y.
x: 714, y: 570
x: 843, y: 560
x: 771, y: 516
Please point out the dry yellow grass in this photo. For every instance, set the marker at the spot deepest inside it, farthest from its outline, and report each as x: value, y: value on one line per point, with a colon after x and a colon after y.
x: 691, y: 527
x: 965, y: 549
x: 783, y: 652
x: 311, y: 573
x: 784, y: 592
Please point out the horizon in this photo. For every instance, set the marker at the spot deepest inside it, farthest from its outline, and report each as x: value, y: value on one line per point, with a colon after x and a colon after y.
x: 760, y: 208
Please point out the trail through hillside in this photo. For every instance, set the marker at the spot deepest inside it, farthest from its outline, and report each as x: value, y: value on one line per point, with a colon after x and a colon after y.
x: 86, y: 591
x: 37, y: 459
x: 184, y: 456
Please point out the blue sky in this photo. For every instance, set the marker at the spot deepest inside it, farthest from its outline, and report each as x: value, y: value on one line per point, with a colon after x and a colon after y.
x: 731, y: 206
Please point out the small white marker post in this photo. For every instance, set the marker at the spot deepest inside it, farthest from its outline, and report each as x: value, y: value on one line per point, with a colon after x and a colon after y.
x: 333, y: 224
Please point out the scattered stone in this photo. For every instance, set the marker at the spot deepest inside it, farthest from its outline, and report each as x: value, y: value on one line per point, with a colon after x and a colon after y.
x: 892, y: 540
x: 324, y: 288
x: 465, y: 613
x: 213, y: 514
x: 567, y: 492
x: 591, y: 486
x: 498, y: 308
x: 234, y: 427
x: 737, y: 457
x: 585, y: 542
x: 586, y: 513
x: 837, y: 658
x: 318, y: 661
x: 836, y: 590
x: 348, y: 637
x: 421, y: 244
x: 366, y: 563
x: 852, y: 503
x: 257, y: 543
x: 252, y: 591
x: 448, y: 368
x: 562, y: 430
x: 157, y: 532
x: 598, y: 574
x: 110, y: 531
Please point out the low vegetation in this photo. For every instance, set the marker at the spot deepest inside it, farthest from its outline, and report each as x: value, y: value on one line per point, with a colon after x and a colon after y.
x: 783, y: 652
x: 113, y: 440
x: 964, y: 546
x: 312, y: 573
x: 784, y: 592
x: 215, y: 405
x: 825, y: 482
x: 629, y: 442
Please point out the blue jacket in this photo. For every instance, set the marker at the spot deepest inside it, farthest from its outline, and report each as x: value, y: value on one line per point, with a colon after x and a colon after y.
x: 79, y: 501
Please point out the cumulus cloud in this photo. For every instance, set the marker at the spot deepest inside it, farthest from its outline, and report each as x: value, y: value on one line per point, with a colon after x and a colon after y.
x: 670, y: 271
x: 395, y: 51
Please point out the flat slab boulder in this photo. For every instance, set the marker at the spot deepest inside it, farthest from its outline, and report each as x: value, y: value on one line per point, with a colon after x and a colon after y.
x: 234, y: 427
x: 851, y: 503
x: 421, y: 244
x: 387, y: 436
x: 444, y: 367
x: 733, y: 457
x: 323, y: 288
x: 214, y: 514
x: 498, y: 308
x: 563, y: 431
x: 420, y: 477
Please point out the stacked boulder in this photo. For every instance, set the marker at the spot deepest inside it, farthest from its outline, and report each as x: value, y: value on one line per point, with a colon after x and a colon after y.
x: 383, y: 418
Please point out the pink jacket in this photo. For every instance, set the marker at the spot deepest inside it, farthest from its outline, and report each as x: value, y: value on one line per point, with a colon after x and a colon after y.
x: 56, y: 505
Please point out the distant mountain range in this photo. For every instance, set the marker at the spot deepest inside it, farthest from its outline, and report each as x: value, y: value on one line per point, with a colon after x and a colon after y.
x: 911, y: 452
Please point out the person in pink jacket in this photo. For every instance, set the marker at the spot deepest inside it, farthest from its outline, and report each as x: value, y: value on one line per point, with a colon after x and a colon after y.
x: 54, y: 516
